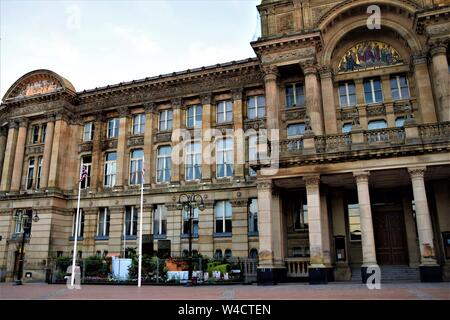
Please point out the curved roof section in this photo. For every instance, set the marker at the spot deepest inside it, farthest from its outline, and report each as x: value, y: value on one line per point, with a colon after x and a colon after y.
x: 36, y: 83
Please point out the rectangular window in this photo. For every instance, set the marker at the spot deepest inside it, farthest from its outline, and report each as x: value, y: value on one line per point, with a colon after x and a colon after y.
x: 354, y: 222
x: 347, y: 127
x: 160, y: 220
x: 131, y: 218
x: 253, y: 216
x: 223, y: 214
x: 194, y: 116
x: 224, y: 157
x: 347, y: 94
x: 373, y: 91
x: 35, y: 134
x: 399, y: 87
x: 193, y: 161
x: 138, y: 124
x: 163, y: 164
x: 296, y: 129
x: 295, y: 95
x: 110, y: 169
x: 80, y: 223
x: 300, y: 215
x: 39, y: 173
x: 30, y: 173
x: 43, y: 132
x: 136, y: 166
x: 103, y: 222
x: 113, y: 128
x: 88, y: 133
x: 256, y: 107
x: 165, y: 120
x: 23, y: 221
x: 87, y: 162
x: 224, y: 111
x: 194, y: 228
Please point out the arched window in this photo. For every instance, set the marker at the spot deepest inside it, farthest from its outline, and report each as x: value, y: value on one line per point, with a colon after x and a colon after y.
x: 377, y: 124
x: 399, y: 122
x: 347, y: 127
x: 228, y: 253
x: 218, y: 254
x: 253, y: 254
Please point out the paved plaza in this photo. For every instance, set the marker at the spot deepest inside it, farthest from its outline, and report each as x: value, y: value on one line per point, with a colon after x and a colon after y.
x: 300, y: 291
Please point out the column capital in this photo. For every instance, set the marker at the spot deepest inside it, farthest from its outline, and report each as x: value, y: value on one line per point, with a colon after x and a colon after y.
x: 176, y: 102
x: 311, y: 180
x: 90, y: 210
x: 150, y: 107
x: 438, y: 48
x: 326, y: 72
x: 237, y: 94
x: 417, y: 172
x: 100, y: 116
x: 61, y: 115
x: 23, y: 123
x: 264, y: 185
x: 13, y: 124
x: 206, y: 98
x: 361, y: 176
x: 309, y: 68
x: 3, y: 131
x: 51, y: 117
x: 123, y: 112
x: 270, y: 72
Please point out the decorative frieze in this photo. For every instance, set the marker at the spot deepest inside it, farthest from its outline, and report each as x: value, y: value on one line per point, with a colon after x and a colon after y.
x: 163, y: 137
x: 35, y: 149
x: 85, y: 147
x: 150, y: 107
x: 135, y: 141
x: 109, y: 144
x: 295, y: 114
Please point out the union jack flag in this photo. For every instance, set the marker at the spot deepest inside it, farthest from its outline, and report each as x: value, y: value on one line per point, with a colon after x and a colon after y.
x: 84, y: 173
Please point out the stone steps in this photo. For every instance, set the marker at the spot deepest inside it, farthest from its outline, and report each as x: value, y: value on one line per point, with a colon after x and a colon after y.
x: 391, y: 273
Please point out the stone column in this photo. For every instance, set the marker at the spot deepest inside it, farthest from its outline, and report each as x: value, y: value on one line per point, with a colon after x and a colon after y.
x: 423, y: 86
x: 116, y: 229
x: 441, y: 80
x: 239, y: 138
x: 430, y: 271
x: 206, y: 137
x: 122, y: 156
x: 326, y: 240
x: 90, y: 229
x: 317, y: 270
x: 47, y: 151
x: 268, y: 272
x: 10, y: 151
x: 367, y: 235
x: 177, y: 145
x: 58, y: 147
x: 329, y: 105
x: 313, y: 98
x: 386, y: 87
x: 16, y: 180
x: 3, y: 134
x: 150, y: 114
x: 272, y: 101
x: 239, y: 244
x: 206, y: 230
x: 97, y: 153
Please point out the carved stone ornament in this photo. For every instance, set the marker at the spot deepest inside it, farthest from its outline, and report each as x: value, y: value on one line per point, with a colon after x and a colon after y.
x: 135, y: 141
x: 23, y: 123
x: 312, y: 180
x: 150, y: 107
x: 13, y: 124
x: 206, y: 98
x: 123, y: 112
x: 239, y: 202
x: 163, y: 137
x: 237, y: 93
x: 361, y: 176
x: 264, y: 185
x: 85, y: 147
x: 176, y: 103
x: 270, y: 71
x: 417, y: 173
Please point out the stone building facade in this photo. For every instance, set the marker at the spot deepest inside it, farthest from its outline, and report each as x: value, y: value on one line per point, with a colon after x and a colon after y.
x: 356, y: 171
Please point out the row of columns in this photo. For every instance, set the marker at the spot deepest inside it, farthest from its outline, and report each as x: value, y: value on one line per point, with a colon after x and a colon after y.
x: 271, y: 244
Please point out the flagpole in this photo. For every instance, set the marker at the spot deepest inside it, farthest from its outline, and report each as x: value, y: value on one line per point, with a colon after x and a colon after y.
x: 74, y: 257
x: 140, y: 226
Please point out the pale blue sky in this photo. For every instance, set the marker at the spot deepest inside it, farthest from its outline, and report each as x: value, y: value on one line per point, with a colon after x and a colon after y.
x: 96, y: 43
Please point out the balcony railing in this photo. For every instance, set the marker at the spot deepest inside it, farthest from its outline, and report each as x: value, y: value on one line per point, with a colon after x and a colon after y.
x: 393, y: 135
x: 297, y: 267
x: 435, y: 132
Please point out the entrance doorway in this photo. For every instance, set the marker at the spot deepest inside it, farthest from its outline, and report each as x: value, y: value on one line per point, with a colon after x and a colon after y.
x: 390, y: 237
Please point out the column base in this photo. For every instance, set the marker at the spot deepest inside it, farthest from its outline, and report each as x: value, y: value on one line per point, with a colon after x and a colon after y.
x: 318, y: 275
x: 270, y: 275
x: 365, y: 275
x: 330, y: 274
x: 430, y: 273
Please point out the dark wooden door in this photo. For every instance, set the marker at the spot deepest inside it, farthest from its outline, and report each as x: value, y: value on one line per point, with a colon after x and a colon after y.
x: 390, y: 238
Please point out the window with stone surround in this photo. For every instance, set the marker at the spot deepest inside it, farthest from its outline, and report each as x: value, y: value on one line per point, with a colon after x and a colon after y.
x: 295, y: 95
x: 218, y: 254
x: 373, y: 90
x: 88, y: 132
x: 39, y: 173
x: 399, y: 122
x: 223, y: 213
x: 103, y: 220
x: 163, y: 166
x: 30, y: 173
x: 35, y: 134
x: 193, y: 161
x: 194, y: 116
x: 160, y: 220
x: 228, y: 254
x: 354, y: 222
x: 295, y: 129
x: 131, y: 218
x: 399, y: 87
x: 110, y: 169
x: 113, y: 128
x: 23, y: 221
x: 253, y: 253
x: 256, y: 107
x: 347, y: 127
x: 347, y: 94
x: 80, y: 223
x: 87, y: 162
x: 165, y: 120
x: 253, y: 216
x: 377, y: 124
x: 300, y: 211
x: 224, y: 157
x: 224, y: 111
x: 136, y: 166
x: 43, y: 132
x: 138, y: 124
x: 194, y: 228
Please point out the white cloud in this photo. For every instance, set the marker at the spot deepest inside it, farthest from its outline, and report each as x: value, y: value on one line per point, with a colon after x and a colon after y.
x: 140, y: 42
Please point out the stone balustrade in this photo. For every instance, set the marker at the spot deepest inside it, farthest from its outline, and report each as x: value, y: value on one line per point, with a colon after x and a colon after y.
x: 297, y: 267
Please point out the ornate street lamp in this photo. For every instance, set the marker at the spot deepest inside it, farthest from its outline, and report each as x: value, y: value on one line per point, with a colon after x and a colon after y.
x: 25, y: 222
x: 189, y: 202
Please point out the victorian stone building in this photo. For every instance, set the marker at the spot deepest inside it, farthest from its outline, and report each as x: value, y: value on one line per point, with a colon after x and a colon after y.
x: 356, y: 172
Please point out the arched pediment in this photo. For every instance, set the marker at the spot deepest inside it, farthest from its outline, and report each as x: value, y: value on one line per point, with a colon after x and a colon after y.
x: 36, y: 83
